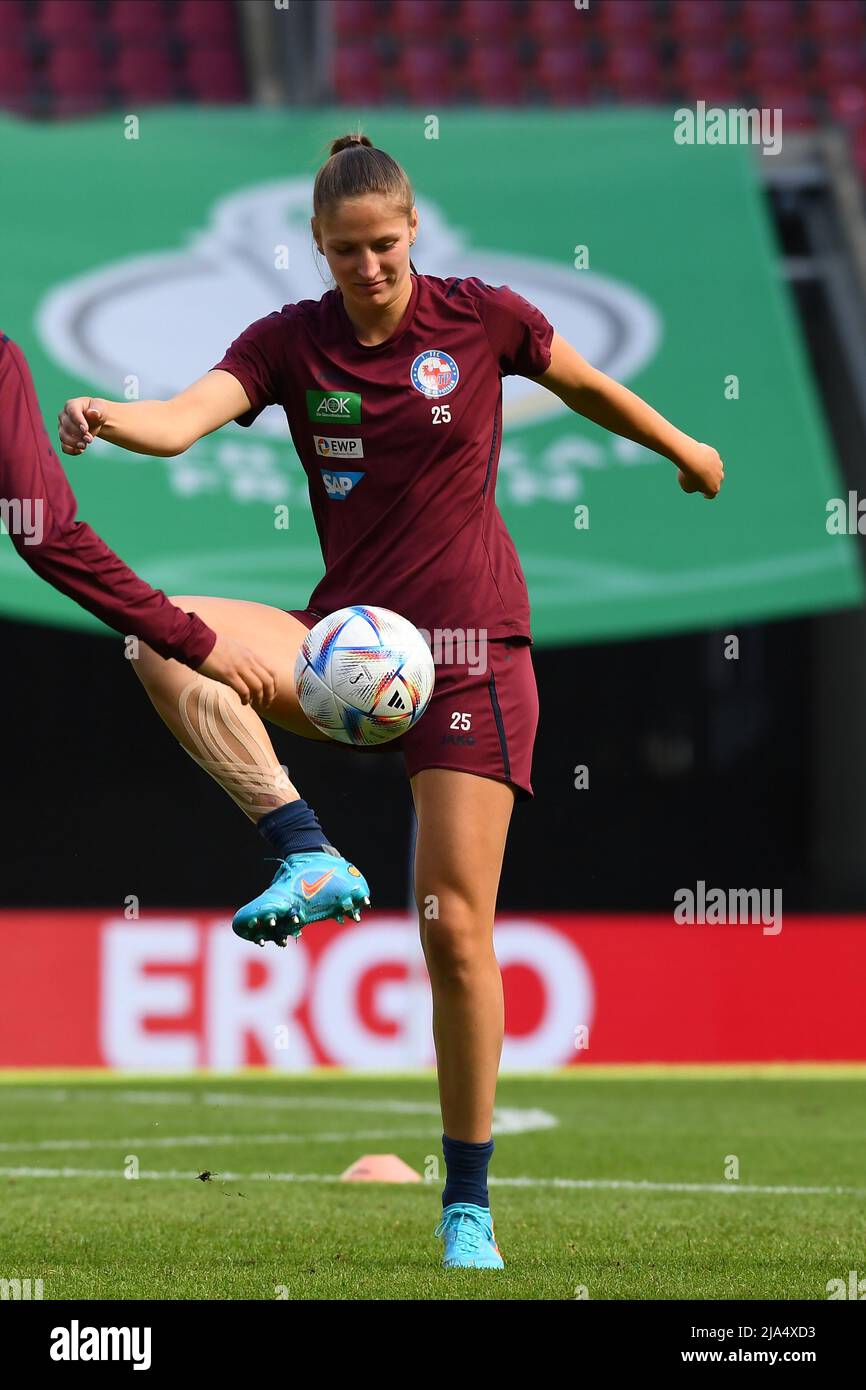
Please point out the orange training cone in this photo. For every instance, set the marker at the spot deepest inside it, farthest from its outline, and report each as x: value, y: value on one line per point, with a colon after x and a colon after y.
x: 380, y: 1168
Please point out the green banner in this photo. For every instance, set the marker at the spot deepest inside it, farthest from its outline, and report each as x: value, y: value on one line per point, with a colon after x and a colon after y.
x: 133, y: 262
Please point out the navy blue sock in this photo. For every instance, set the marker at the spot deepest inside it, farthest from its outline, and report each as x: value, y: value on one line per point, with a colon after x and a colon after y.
x: 292, y: 828
x: 466, y: 1171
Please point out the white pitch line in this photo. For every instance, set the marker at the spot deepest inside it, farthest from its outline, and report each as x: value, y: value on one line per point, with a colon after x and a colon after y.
x: 179, y: 1141
x: 226, y: 1098
x: 507, y: 1119
x: 571, y: 1183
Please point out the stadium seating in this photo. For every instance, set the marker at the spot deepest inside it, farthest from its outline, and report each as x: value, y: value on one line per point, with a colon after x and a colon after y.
x: 493, y: 74
x: 137, y: 50
x: 807, y: 56
x: 16, y: 75
x: 141, y: 23
x: 144, y: 74
x: 358, y: 74
x: 425, y: 74
x: 57, y: 19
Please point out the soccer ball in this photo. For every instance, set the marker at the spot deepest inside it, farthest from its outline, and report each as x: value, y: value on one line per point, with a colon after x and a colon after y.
x: 364, y: 675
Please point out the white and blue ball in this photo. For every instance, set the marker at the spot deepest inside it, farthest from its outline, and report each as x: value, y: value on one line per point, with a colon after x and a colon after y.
x: 364, y: 675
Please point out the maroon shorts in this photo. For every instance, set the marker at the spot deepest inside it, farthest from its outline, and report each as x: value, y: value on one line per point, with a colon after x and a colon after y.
x: 480, y: 721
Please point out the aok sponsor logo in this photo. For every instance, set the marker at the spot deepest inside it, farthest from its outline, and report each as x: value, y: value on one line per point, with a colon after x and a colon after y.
x: 339, y: 485
x: 337, y: 407
x: 352, y: 447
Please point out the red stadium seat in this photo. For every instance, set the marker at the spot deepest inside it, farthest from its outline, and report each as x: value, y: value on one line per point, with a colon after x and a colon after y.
x: 210, y: 23
x: 491, y: 20
x: 130, y: 19
x: 418, y: 19
x: 16, y: 24
x: 829, y: 20
x: 357, y: 74
x: 765, y: 21
x: 774, y: 63
x: 847, y: 105
x: 625, y: 21
x: 215, y: 73
x: 356, y: 20
x: 16, y: 76
x: 558, y: 22
x: 838, y: 63
x: 633, y: 71
x: 143, y: 72
x: 76, y: 76
x: 493, y: 74
x: 699, y: 63
x: 718, y: 91
x: 562, y: 74
x: 64, y: 18
x: 795, y: 103
x: 425, y: 74
x: 702, y: 21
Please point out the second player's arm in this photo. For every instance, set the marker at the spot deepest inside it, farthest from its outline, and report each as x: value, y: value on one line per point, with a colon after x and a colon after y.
x: 162, y: 429
x: 601, y: 399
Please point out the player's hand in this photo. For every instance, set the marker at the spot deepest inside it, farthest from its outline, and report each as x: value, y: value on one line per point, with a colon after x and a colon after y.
x: 701, y: 470
x: 236, y: 666
x: 80, y: 421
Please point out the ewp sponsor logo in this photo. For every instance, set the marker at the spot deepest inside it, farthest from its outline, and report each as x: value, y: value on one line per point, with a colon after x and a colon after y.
x: 344, y: 448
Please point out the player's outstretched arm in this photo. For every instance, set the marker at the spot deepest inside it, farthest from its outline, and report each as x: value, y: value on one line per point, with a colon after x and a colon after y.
x: 601, y: 399
x: 162, y: 429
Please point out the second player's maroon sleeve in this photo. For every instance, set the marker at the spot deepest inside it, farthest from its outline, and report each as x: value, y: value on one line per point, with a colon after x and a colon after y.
x: 67, y: 553
x: 519, y: 334
x: 256, y: 359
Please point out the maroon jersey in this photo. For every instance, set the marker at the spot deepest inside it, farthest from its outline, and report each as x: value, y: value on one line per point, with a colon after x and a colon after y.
x: 66, y: 552
x: 400, y: 443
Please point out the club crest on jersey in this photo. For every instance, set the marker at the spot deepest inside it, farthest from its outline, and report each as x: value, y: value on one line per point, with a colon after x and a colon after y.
x: 434, y: 373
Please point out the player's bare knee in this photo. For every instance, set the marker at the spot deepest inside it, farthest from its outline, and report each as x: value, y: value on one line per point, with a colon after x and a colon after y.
x: 454, y: 935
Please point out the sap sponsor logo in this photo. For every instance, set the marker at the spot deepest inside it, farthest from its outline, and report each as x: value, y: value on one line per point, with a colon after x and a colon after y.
x: 434, y: 373
x: 340, y: 448
x: 465, y: 740
x: 76, y: 1343
x: 339, y: 485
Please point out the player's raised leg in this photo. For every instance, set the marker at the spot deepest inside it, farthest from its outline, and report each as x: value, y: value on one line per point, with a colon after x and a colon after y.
x: 463, y: 824
x: 231, y: 743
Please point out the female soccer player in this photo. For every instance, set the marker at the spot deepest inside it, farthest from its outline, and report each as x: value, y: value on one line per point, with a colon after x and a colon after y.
x: 408, y: 367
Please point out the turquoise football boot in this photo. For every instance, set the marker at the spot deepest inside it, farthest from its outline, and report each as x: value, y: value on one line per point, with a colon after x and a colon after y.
x: 467, y: 1231
x: 308, y: 887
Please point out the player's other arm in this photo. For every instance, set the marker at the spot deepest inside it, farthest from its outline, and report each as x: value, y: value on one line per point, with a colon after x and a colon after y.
x: 162, y: 429
x: 69, y: 555
x: 601, y: 399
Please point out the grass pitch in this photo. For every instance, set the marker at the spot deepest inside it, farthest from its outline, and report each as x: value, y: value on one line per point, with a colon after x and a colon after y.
x: 609, y: 1180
